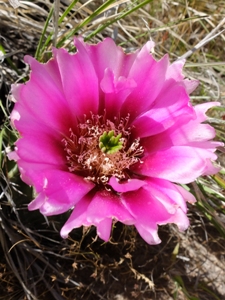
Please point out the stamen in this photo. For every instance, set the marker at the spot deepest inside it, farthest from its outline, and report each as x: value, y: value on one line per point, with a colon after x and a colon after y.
x: 102, y: 149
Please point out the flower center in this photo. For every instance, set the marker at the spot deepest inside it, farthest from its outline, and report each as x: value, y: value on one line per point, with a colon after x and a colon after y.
x: 102, y: 149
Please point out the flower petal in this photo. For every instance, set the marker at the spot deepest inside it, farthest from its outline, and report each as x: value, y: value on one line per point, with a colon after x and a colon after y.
x: 37, y: 202
x: 78, y: 217
x: 117, y: 89
x: 44, y: 106
x: 99, y: 210
x: 174, y: 70
x: 145, y: 208
x: 150, y: 81
x: 41, y: 149
x: 149, y: 234
x: 128, y: 186
x: 104, y: 228
x: 169, y: 194
x: 107, y: 55
x: 147, y: 212
x: 180, y: 219
x: 107, y: 205
x: 169, y: 105
x: 62, y: 190
x: 177, y: 164
x: 79, y: 80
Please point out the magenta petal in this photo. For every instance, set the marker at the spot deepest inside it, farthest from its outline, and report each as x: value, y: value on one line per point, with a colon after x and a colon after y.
x: 104, y: 229
x: 45, y: 105
x: 160, y: 120
x: 128, y: 186
x: 177, y: 164
x: 145, y: 208
x: 193, y: 131
x: 160, y: 202
x: 107, y: 205
x: 149, y: 234
x: 98, y: 210
x: 31, y: 149
x: 78, y: 217
x: 76, y: 71
x: 114, y: 88
x: 49, y: 71
x: 147, y: 211
x: 63, y: 190
x: 107, y: 55
x: 37, y: 202
x: 34, y: 173
x: 150, y: 81
x: 169, y: 194
x: 165, y: 111
x: 110, y: 84
x: 174, y: 71
x: 180, y: 219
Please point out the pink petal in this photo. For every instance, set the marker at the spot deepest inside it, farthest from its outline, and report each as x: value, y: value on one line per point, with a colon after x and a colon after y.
x: 177, y: 164
x: 104, y: 229
x: 78, y: 217
x: 144, y: 207
x: 49, y: 71
x: 149, y: 234
x: 34, y: 173
x: 169, y: 194
x: 107, y: 205
x: 174, y: 71
x: 190, y: 85
x: 99, y: 210
x: 45, y: 106
x: 187, y: 196
x: 42, y: 149
x: 150, y: 80
x: 186, y: 131
x: 128, y: 186
x: 13, y: 155
x: 115, y: 92
x: 107, y: 55
x: 180, y: 219
x: 63, y: 190
x: 79, y: 81
x: 201, y: 110
x: 210, y: 169
x: 165, y: 111
x: 37, y: 202
x: 147, y: 211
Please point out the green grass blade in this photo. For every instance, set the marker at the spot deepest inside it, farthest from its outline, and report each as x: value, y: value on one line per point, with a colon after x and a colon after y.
x: 67, y: 11
x: 120, y: 16
x: 39, y: 47
x: 86, y: 21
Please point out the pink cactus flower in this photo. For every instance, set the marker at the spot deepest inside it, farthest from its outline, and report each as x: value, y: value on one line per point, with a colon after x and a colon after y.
x: 111, y: 136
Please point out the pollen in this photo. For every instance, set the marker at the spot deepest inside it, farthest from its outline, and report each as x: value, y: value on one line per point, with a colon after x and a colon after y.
x: 102, y: 149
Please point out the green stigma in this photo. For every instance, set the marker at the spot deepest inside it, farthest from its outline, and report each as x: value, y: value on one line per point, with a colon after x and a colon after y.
x: 109, y: 143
